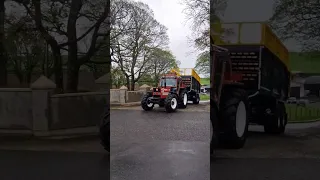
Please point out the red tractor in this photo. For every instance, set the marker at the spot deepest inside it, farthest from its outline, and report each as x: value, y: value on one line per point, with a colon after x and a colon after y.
x: 229, y: 110
x: 171, y: 94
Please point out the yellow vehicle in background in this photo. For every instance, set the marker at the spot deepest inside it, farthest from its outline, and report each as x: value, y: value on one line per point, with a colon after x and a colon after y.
x: 192, y: 80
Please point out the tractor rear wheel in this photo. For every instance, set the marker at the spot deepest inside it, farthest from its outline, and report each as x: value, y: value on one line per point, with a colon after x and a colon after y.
x: 145, y: 102
x: 183, y: 99
x: 278, y: 121
x: 105, y: 131
x: 213, y: 125
x: 171, y: 103
x: 233, y: 118
x: 197, y: 99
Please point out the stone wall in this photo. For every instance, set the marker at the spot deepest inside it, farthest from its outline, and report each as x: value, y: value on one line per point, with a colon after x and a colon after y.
x: 16, y: 108
x: 42, y: 113
x: 76, y: 110
x: 122, y: 95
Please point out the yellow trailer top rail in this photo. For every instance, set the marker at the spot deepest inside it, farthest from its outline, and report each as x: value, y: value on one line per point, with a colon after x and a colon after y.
x: 250, y: 33
x: 187, y: 72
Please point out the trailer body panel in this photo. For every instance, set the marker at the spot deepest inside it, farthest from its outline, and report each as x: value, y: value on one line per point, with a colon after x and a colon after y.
x: 262, y: 71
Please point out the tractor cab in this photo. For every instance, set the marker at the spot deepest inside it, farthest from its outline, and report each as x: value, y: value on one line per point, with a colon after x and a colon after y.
x: 166, y: 82
x: 169, y: 80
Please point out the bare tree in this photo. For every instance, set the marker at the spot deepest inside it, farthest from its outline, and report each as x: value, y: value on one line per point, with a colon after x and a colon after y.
x: 203, y: 63
x: 203, y: 14
x: 66, y: 25
x: 198, y: 12
x: 299, y: 20
x: 134, y: 46
x: 3, y: 54
x: 25, y: 49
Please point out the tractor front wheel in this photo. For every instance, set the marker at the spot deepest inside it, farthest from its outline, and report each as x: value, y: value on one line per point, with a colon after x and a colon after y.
x: 145, y: 102
x: 183, y: 99
x: 171, y: 103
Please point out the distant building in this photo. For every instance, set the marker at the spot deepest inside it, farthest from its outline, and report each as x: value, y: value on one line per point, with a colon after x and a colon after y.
x: 312, y: 84
x: 205, y: 89
x: 297, y: 85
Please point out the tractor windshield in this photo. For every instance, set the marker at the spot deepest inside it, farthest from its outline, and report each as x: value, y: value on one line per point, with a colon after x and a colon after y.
x: 168, y: 82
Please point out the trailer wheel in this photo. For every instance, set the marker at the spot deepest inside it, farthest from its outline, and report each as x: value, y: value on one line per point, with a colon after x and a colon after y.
x: 277, y: 123
x: 171, y: 103
x: 183, y: 99
x: 105, y: 131
x: 233, y: 118
x: 145, y: 102
x: 213, y: 126
x: 197, y: 99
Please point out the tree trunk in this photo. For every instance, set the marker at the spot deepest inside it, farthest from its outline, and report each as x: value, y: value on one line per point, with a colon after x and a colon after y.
x: 128, y: 82
x: 132, y: 84
x: 73, y: 68
x: 3, y: 53
x: 58, y: 73
x: 108, y: 65
x: 73, y: 64
x: 72, y: 77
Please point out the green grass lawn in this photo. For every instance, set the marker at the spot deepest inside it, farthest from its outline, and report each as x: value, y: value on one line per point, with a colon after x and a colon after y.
x: 304, y: 63
x: 204, y: 97
x: 205, y: 81
x: 301, y: 114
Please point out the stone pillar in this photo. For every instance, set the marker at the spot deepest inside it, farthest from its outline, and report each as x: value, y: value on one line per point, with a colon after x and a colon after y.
x: 145, y: 88
x: 42, y: 89
x: 103, y: 82
x: 123, y: 94
x: 136, y: 86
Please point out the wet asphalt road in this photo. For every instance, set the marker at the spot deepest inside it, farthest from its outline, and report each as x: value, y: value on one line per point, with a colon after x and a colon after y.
x: 46, y: 165
x: 157, y: 145
x: 160, y: 146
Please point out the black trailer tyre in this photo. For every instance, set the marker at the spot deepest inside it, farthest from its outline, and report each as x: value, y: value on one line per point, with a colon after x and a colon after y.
x: 277, y: 123
x: 145, y: 102
x: 211, y: 137
x: 233, y: 117
x: 105, y: 131
x: 213, y: 126
x: 197, y: 99
x: 171, y: 103
x: 183, y: 100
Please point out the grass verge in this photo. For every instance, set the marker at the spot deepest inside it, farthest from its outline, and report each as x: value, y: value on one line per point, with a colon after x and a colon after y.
x: 302, y: 114
x: 204, y: 97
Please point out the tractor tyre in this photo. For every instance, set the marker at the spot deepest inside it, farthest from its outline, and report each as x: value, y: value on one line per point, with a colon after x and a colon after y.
x: 213, y: 126
x: 233, y: 118
x: 197, y: 99
x: 278, y: 121
x: 171, y: 103
x: 105, y: 131
x: 183, y: 99
x: 145, y: 104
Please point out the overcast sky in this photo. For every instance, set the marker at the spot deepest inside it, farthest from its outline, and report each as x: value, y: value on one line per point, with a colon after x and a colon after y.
x: 169, y: 13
